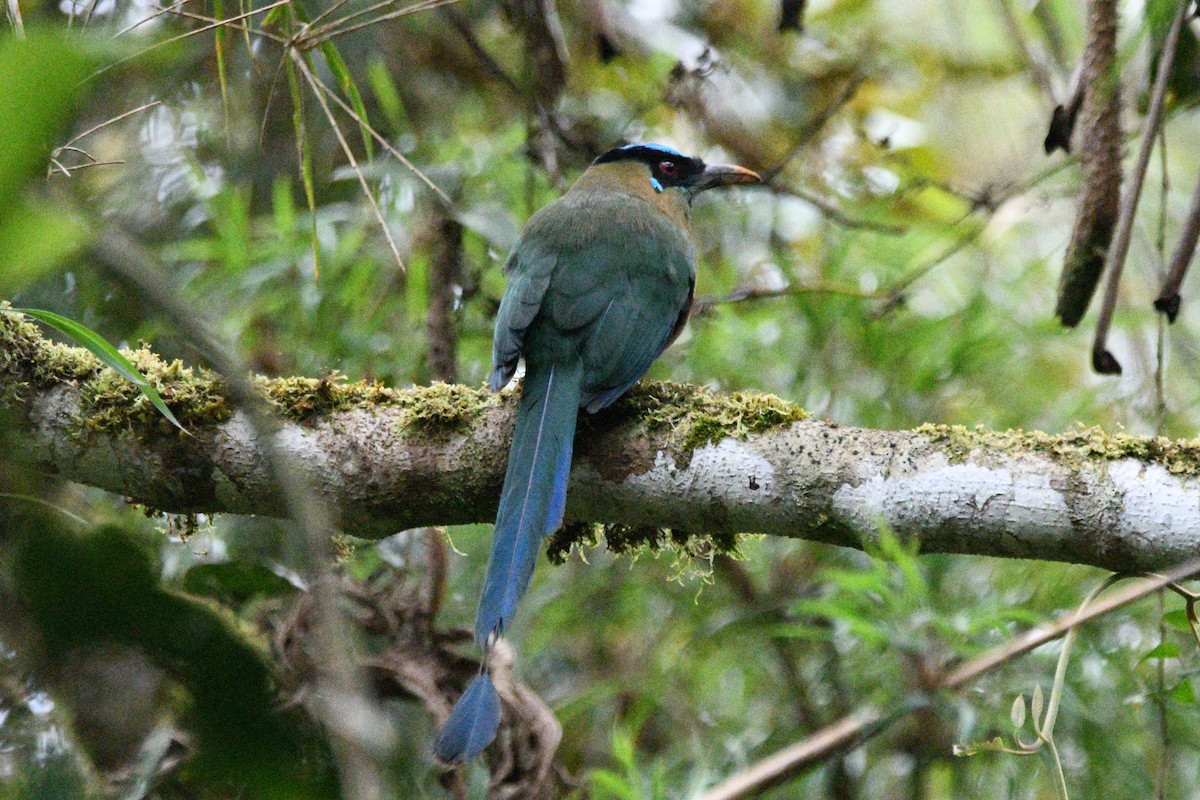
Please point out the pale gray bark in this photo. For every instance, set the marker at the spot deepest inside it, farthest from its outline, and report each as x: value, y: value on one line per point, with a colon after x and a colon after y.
x: 1072, y: 498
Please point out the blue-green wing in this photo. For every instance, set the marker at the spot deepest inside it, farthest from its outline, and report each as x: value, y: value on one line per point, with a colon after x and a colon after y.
x: 621, y: 296
x: 607, y: 280
x: 530, y: 269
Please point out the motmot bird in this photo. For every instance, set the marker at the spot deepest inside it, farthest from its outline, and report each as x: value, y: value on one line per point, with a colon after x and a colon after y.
x: 599, y: 284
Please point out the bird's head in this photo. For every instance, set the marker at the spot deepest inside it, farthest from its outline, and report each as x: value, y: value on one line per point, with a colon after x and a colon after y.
x: 667, y: 168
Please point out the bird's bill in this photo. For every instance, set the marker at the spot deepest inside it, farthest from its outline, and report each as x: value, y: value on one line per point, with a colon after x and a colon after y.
x: 715, y: 175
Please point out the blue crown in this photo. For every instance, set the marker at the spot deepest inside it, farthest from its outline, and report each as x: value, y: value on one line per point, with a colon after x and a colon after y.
x: 646, y: 151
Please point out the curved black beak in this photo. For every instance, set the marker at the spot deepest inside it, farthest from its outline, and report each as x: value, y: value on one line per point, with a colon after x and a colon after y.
x: 715, y: 175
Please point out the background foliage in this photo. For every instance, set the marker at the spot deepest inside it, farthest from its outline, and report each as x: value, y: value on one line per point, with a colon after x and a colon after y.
x: 899, y: 268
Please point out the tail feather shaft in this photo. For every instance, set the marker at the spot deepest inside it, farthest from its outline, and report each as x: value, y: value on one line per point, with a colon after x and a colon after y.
x: 535, y: 490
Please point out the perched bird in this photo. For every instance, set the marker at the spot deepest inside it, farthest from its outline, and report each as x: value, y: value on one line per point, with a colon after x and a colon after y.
x: 599, y: 285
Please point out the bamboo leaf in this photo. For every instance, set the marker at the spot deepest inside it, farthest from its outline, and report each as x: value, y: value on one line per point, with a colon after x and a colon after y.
x: 103, y: 350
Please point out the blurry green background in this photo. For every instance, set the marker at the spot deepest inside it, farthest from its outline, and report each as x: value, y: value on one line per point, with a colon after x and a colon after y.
x: 912, y: 234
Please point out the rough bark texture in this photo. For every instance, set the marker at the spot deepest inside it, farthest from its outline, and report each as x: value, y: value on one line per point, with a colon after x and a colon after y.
x: 1100, y: 155
x: 666, y: 456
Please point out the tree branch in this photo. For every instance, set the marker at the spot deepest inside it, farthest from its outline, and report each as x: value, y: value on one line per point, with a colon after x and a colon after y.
x: 667, y: 456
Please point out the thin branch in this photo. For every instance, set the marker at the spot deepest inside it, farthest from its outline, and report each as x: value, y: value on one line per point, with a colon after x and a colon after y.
x: 1097, y: 91
x: 704, y: 305
x: 868, y: 721
x: 227, y: 23
x: 171, y: 40
x: 489, y: 64
x: 337, y: 28
x: 831, y: 109
x: 315, y: 85
x: 834, y: 214
x: 1036, y: 66
x: 70, y: 147
x: 1185, y: 251
x: 108, y: 122
x: 384, y: 143
x: 157, y: 13
x: 1102, y: 360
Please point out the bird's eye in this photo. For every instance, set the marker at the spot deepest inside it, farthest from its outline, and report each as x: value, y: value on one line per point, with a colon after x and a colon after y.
x: 667, y: 168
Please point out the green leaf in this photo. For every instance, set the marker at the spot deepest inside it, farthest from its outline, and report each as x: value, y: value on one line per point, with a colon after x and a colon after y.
x: 1161, y: 650
x: 606, y: 783
x: 40, y: 76
x: 1035, y: 706
x: 1177, y: 619
x: 1184, y: 692
x: 304, y: 156
x: 235, y: 582
x: 109, y: 355
x: 386, y: 93
x: 346, y: 81
x: 35, y: 236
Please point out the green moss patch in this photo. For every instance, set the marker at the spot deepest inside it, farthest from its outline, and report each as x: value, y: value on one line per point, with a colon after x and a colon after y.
x: 696, y: 417
x: 29, y: 362
x: 633, y: 540
x: 1178, y: 456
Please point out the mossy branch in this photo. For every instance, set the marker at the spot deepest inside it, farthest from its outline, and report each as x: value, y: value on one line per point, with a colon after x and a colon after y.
x: 667, y: 457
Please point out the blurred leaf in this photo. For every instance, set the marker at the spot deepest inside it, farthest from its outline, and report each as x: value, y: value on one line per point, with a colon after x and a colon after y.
x: 1160, y: 651
x: 341, y: 72
x: 608, y: 784
x: 1018, y: 711
x: 383, y: 86
x: 1177, y: 619
x: 102, y: 587
x: 1184, y: 693
x: 41, y: 106
x: 107, y: 354
x: 35, y: 237
x: 235, y: 582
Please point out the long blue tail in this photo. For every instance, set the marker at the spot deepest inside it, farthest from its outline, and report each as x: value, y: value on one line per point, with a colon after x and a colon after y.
x: 531, y: 507
x: 534, y: 493
x: 472, y: 723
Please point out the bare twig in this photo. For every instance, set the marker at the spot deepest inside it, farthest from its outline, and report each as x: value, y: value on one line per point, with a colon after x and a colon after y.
x: 1100, y: 154
x: 157, y: 13
x: 869, y: 721
x: 69, y: 147
x: 1168, y: 296
x: 485, y: 59
x: 1102, y: 360
x: 316, y: 37
x: 383, y: 142
x: 849, y: 90
x: 834, y: 214
x: 1036, y: 66
x: 202, y: 29
x: 316, y: 86
x: 108, y: 122
x: 704, y: 305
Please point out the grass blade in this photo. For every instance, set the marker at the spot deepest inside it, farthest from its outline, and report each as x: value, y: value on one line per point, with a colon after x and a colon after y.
x: 103, y: 350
